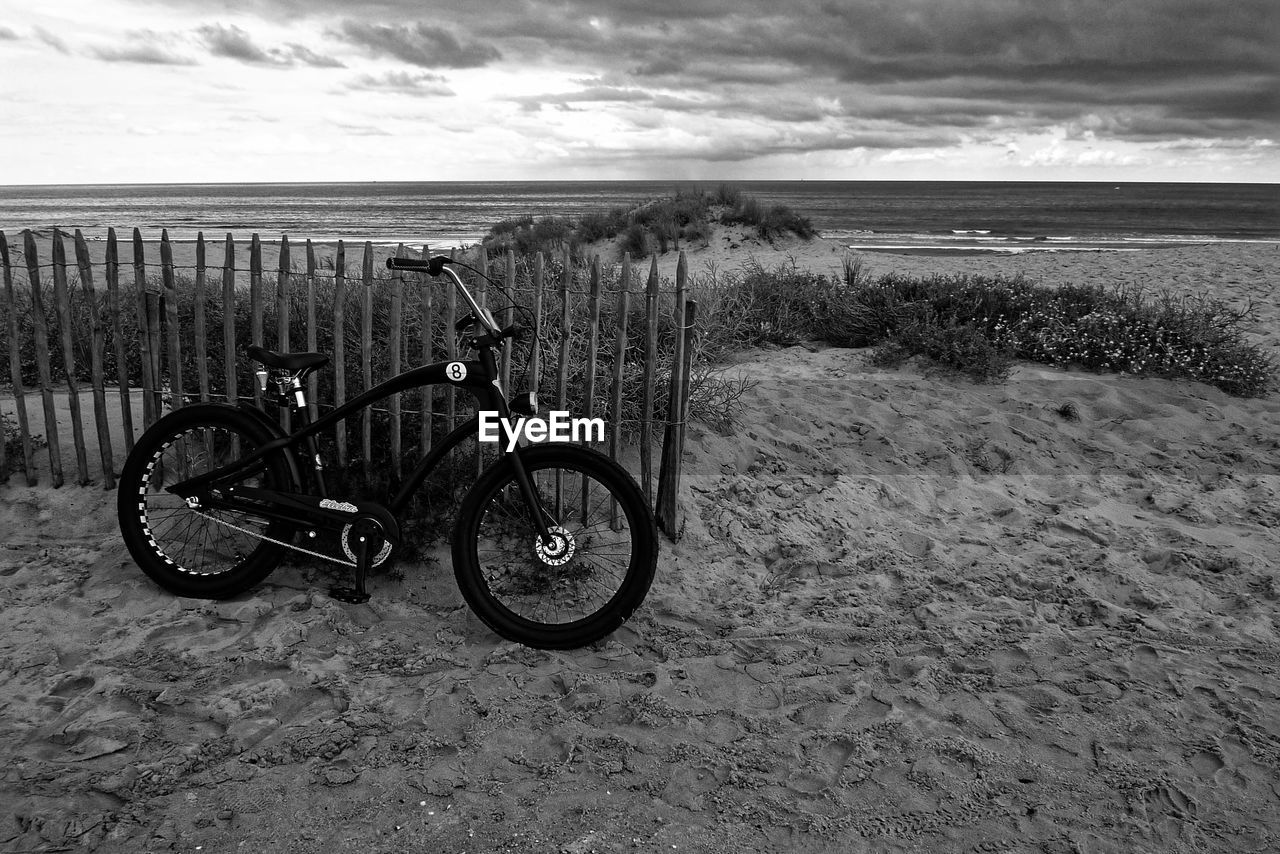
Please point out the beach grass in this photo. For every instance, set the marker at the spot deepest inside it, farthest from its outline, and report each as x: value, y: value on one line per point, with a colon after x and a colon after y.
x: 653, y: 225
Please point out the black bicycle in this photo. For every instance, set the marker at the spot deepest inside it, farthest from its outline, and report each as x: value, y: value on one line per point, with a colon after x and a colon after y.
x: 554, y: 545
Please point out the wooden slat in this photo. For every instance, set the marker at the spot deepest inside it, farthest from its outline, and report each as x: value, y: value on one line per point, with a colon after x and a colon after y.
x: 62, y: 307
x: 283, y: 272
x: 41, y: 332
x: 650, y: 382
x: 339, y: 345
x: 10, y: 312
x: 229, y: 319
x: 176, y: 390
x: 482, y: 264
x: 313, y: 381
x: 562, y: 369
x: 535, y: 355
x: 593, y: 347
x: 668, y: 509
x: 149, y: 378
x: 198, y: 321
x: 366, y: 350
x: 96, y: 348
x: 619, y: 372
x: 255, y: 304
x: 509, y: 289
x: 114, y: 309
x: 428, y: 330
x: 394, y: 342
x: 451, y: 349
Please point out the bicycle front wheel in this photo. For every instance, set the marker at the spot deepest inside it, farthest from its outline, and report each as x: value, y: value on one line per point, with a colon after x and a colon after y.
x: 582, y: 585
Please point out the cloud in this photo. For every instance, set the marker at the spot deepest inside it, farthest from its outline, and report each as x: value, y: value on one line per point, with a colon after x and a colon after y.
x: 51, y: 40
x: 1146, y: 69
x: 420, y: 44
x: 234, y: 43
x: 7, y: 34
x: 403, y: 83
x: 146, y: 48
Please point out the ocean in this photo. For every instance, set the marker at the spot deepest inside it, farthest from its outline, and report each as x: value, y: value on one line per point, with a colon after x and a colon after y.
x: 934, y: 217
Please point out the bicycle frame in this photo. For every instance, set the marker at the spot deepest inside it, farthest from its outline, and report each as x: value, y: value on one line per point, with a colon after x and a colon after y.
x: 479, y: 377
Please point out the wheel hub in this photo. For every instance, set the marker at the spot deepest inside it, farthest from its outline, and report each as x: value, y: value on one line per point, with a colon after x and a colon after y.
x: 561, y: 549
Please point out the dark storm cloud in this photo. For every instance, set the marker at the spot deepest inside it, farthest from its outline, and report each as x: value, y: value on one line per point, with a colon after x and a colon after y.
x: 420, y: 44
x: 1197, y: 67
x: 234, y: 43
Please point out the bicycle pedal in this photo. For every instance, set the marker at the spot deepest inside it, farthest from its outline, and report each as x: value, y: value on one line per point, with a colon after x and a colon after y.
x: 350, y: 595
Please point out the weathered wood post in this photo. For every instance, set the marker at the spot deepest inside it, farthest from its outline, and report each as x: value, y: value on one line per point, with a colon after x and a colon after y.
x: 114, y: 308
x: 340, y: 345
x: 10, y: 313
x: 668, y: 510
x: 41, y: 332
x: 96, y: 346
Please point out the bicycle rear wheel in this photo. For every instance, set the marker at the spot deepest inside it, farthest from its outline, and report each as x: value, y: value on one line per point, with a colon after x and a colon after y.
x: 583, y: 585
x: 201, y: 553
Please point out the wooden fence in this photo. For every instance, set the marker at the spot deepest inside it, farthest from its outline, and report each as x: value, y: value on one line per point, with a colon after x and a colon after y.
x: 152, y: 340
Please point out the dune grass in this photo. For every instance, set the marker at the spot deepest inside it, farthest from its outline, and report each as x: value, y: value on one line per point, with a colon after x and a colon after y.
x: 656, y: 225
x: 981, y: 325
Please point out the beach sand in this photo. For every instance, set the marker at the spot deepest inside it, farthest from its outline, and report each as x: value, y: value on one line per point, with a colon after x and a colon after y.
x: 907, y: 613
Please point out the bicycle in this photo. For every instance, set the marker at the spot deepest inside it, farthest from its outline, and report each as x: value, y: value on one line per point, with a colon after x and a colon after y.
x: 553, y: 546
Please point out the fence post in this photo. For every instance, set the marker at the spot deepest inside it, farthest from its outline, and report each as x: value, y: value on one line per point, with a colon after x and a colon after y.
x: 117, y: 332
x: 482, y: 264
x: 451, y: 348
x: 428, y: 324
x: 509, y: 289
x: 40, y: 330
x: 619, y: 374
x: 171, y: 318
x: 650, y: 381
x: 535, y: 357
x: 198, y: 321
x: 97, y: 380
x: 562, y: 371
x: 10, y: 306
x: 229, y: 319
x: 255, y: 304
x: 366, y: 350
x: 340, y: 345
x: 62, y: 308
x: 394, y: 341
x: 313, y: 381
x: 668, y: 510
x: 144, y: 331
x: 283, y: 269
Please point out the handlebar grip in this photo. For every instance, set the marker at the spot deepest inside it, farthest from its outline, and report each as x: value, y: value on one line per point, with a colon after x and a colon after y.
x: 431, y: 267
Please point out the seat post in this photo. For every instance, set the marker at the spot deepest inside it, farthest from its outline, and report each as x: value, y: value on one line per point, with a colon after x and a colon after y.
x: 303, y: 413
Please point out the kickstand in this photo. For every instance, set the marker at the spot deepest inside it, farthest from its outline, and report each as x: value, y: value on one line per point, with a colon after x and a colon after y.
x: 357, y: 595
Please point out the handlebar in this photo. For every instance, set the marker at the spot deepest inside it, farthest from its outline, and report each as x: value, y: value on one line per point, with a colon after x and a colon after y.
x: 435, y: 266
x: 431, y: 266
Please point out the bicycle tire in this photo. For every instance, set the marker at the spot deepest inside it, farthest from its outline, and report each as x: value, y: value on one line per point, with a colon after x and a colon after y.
x: 503, y: 576
x: 189, y: 552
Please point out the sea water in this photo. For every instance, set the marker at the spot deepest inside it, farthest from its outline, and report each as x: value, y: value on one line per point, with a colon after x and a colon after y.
x: 913, y: 216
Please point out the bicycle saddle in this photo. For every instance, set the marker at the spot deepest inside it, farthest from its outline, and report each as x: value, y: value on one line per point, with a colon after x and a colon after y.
x: 292, y: 362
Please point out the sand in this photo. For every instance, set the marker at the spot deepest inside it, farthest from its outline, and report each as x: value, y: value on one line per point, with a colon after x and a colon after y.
x: 907, y: 613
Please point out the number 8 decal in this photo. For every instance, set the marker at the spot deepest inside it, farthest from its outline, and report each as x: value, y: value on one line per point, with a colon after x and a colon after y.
x: 456, y: 371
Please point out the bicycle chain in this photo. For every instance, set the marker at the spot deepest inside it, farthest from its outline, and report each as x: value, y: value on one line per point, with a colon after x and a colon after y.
x: 320, y: 555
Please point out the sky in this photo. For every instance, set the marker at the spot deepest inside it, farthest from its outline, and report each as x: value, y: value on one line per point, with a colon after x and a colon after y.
x: 143, y: 91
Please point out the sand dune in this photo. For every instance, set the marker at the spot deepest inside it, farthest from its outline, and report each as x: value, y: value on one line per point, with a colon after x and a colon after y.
x: 907, y: 613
